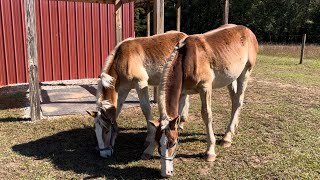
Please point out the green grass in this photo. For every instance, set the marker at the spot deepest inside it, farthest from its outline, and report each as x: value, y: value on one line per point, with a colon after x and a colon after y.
x: 278, y: 136
x: 288, y: 69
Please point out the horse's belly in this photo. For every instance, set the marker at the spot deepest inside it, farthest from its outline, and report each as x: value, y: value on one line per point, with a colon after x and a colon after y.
x: 225, y: 77
x: 154, y: 78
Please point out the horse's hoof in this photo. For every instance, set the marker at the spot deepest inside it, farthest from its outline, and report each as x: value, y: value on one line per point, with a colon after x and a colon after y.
x: 106, y: 153
x: 181, y: 126
x: 211, y: 158
x: 145, y: 156
x: 226, y: 144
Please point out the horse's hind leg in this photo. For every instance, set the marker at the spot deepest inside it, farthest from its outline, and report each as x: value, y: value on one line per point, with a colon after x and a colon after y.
x: 236, y: 90
x: 183, y: 109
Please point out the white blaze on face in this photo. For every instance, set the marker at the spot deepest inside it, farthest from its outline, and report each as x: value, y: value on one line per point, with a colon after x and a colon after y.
x: 166, y: 165
x: 101, y: 137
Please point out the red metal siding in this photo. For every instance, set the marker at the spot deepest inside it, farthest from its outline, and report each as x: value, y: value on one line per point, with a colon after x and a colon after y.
x: 73, y: 39
x: 8, y: 41
x: 3, y: 72
x: 63, y: 38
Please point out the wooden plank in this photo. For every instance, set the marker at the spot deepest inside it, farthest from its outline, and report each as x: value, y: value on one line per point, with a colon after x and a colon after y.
x: 158, y: 16
x: 18, y: 41
x: 96, y: 39
x: 3, y: 73
x: 88, y: 40
x: 80, y: 40
x: 304, y: 37
x: 226, y: 12
x: 63, y: 40
x: 125, y: 20
x: 54, y: 28
x: 118, y: 21
x: 46, y: 43
x: 148, y: 18
x: 34, y: 89
x: 158, y: 27
x: 8, y: 42
x: 72, y: 41
x: 178, y: 14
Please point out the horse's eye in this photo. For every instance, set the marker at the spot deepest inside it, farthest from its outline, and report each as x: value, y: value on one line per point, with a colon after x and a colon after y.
x: 171, y: 145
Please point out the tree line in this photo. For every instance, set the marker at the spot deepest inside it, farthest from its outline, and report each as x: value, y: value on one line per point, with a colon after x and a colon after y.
x: 276, y: 21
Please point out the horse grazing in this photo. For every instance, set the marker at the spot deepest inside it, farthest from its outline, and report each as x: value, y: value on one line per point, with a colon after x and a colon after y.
x: 218, y: 58
x: 134, y: 63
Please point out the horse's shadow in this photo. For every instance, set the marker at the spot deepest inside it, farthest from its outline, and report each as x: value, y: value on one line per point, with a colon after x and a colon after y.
x: 74, y: 150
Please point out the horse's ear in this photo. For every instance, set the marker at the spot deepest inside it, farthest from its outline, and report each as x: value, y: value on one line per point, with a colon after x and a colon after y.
x: 173, y: 124
x: 155, y: 122
x: 92, y: 113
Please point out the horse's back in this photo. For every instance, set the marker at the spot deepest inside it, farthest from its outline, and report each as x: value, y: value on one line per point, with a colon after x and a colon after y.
x: 228, y: 43
x: 219, y: 55
x: 142, y: 58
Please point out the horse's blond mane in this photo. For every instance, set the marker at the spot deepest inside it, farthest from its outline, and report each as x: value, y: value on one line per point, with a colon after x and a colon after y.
x: 164, y: 77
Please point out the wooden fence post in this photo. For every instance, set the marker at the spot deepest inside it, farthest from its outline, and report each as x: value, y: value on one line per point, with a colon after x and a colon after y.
x: 178, y: 14
x: 304, y: 36
x: 31, y: 40
x: 158, y: 27
x: 148, y: 18
x: 118, y: 20
x: 226, y: 12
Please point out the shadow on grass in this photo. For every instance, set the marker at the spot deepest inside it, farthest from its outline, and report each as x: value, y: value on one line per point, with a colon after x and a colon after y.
x: 74, y: 150
x: 7, y: 120
x: 13, y: 100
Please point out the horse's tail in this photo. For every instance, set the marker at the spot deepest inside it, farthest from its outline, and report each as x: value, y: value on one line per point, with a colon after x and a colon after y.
x: 253, y: 49
x: 171, y: 68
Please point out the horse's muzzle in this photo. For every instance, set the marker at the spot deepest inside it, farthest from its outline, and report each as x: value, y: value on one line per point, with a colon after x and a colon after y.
x: 106, y: 152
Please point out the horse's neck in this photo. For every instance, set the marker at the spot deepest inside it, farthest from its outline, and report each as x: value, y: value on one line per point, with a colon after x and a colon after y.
x: 173, y: 87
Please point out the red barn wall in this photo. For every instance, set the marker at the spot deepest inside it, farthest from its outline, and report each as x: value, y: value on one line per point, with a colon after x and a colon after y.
x: 73, y: 39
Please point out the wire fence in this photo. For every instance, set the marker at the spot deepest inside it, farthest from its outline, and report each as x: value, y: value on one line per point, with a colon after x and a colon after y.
x: 311, y: 51
x: 288, y: 39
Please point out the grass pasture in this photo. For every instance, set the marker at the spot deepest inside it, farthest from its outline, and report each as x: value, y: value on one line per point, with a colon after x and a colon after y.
x: 278, y: 135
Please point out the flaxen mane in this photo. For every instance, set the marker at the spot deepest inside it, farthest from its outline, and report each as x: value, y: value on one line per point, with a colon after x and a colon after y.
x: 171, y: 69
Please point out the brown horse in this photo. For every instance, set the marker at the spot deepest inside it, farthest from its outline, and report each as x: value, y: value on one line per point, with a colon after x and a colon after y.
x: 218, y: 58
x: 134, y: 63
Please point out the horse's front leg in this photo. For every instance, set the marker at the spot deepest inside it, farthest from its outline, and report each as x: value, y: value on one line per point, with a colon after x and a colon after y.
x: 205, y: 95
x: 183, y: 109
x: 236, y: 90
x: 142, y: 90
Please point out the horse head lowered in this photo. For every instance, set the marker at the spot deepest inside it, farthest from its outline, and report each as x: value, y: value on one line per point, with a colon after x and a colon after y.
x: 106, y: 128
x: 167, y: 140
